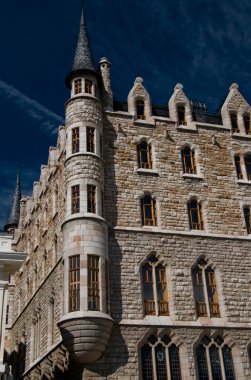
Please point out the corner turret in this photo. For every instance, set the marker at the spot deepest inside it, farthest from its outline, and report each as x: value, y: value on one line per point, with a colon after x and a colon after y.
x: 13, y: 219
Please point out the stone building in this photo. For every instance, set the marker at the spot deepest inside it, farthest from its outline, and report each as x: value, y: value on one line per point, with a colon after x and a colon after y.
x: 138, y: 239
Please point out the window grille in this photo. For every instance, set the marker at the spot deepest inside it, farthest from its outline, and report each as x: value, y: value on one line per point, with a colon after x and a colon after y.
x: 181, y: 115
x: 93, y: 283
x: 91, y: 198
x: 77, y: 86
x: 74, y: 283
x: 75, y: 140
x: 188, y: 161
x: 148, y: 210
x: 90, y: 141
x: 75, y: 199
x: 144, y: 155
x: 140, y: 109
x: 195, y: 215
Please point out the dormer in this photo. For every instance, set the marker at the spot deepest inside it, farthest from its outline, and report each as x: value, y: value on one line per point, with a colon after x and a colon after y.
x: 139, y: 102
x: 179, y: 107
x: 236, y: 112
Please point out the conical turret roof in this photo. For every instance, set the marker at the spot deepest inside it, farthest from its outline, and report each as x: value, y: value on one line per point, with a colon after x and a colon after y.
x: 14, y: 215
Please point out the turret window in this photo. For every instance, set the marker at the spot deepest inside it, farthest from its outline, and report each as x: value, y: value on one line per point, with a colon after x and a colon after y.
x: 90, y: 139
x: 205, y: 291
x: 140, y: 109
x: 247, y: 160
x: 214, y: 359
x: 195, y: 215
x: 88, y: 86
x: 188, y: 161
x: 74, y: 283
x: 91, y: 199
x: 247, y: 124
x: 181, y: 115
x: 75, y: 140
x: 144, y: 155
x: 148, y: 210
x: 237, y: 161
x: 246, y: 211
x: 234, y: 122
x: 75, y: 199
x: 160, y: 359
x: 93, y: 283
x: 155, y: 294
x: 77, y: 86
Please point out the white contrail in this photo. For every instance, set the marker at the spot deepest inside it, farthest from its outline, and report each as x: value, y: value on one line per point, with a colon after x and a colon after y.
x: 45, y: 119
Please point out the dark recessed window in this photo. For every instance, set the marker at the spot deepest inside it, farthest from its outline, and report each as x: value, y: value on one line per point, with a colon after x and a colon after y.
x: 237, y: 161
x: 247, y: 160
x: 148, y: 210
x: 88, y: 86
x: 188, y: 161
x: 234, y: 123
x: 247, y: 124
x: 246, y: 211
x: 77, y: 86
x: 144, y: 155
x: 195, y: 215
x: 181, y: 115
x: 75, y: 140
x: 140, y: 109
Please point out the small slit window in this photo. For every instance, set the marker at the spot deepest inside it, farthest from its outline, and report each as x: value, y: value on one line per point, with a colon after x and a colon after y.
x: 234, y: 122
x: 181, y: 115
x: 237, y: 161
x: 91, y: 199
x: 140, y: 109
x: 144, y: 155
x: 148, y: 210
x: 195, y: 215
x: 247, y: 160
x: 188, y: 161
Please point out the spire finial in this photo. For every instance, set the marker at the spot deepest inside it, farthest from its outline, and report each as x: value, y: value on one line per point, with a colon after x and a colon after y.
x: 13, y: 219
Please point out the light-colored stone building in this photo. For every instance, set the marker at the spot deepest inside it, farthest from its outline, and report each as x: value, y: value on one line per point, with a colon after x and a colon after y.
x: 138, y: 240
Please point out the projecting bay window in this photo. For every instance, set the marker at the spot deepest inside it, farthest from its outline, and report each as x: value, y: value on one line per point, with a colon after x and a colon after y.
x: 246, y: 211
x: 148, y: 210
x: 75, y: 140
x: 140, y: 109
x: 195, y: 215
x: 144, y: 155
x: 234, y: 122
x: 77, y: 86
x: 155, y: 294
x: 188, y: 161
x: 75, y: 199
x: 90, y: 139
x: 88, y: 86
x: 93, y: 283
x: 205, y: 291
x: 247, y: 124
x: 91, y: 199
x: 74, y: 283
x: 181, y: 115
x: 237, y: 161
x: 214, y: 360
x: 247, y: 160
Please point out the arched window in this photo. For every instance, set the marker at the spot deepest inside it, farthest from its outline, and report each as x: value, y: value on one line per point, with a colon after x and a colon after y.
x: 214, y: 359
x: 188, y: 160
x: 237, y: 161
x: 247, y: 123
x: 234, y: 122
x: 181, y: 115
x: 195, y: 215
x: 140, y: 109
x: 247, y: 160
x: 205, y: 291
x: 144, y: 155
x: 155, y: 293
x: 148, y: 210
x: 160, y: 359
x: 246, y: 211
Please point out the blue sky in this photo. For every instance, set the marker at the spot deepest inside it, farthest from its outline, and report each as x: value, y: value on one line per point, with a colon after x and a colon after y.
x: 205, y: 45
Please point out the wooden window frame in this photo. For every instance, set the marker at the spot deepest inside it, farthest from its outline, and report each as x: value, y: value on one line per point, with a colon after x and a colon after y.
x: 90, y: 139
x: 93, y: 283
x: 181, y: 112
x: 75, y: 199
x: 91, y: 199
x: 188, y: 152
x: 234, y: 122
x: 247, y: 123
x: 140, y: 105
x: 146, y: 221
x: 246, y: 212
x: 77, y: 86
x: 75, y: 140
x: 88, y: 86
x: 238, y: 167
x: 198, y: 209
x: 144, y: 148
x: 74, y: 283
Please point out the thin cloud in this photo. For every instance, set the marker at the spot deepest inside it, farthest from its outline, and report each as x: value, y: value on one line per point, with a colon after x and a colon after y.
x: 45, y: 119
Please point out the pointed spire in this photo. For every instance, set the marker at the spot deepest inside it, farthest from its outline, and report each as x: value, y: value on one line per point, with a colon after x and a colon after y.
x: 83, y: 59
x: 13, y: 219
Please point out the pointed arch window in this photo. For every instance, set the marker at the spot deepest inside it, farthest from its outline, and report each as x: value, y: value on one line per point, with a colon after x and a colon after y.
x: 205, y: 290
x: 140, y: 109
x: 247, y: 160
x: 188, y: 160
x: 160, y: 359
x: 246, y: 211
x: 144, y: 155
x: 247, y: 123
x: 155, y: 293
x: 181, y: 115
x: 148, y: 210
x: 234, y: 122
x: 195, y: 215
x: 214, y: 359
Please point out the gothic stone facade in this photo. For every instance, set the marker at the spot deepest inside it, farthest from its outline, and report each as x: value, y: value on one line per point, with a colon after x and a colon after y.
x: 139, y: 213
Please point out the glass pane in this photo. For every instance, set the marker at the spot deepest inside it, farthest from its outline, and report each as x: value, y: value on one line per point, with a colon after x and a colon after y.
x: 228, y: 363
x: 215, y: 363
x: 160, y: 358
x: 162, y: 290
x: 174, y: 361
x: 248, y: 166
x: 146, y: 361
x: 202, y: 363
x: 212, y: 293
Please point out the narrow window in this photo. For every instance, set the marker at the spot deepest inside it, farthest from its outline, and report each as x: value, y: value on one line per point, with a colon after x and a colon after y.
x: 144, y: 155
x: 75, y: 199
x: 7, y: 314
x: 188, y: 161
x: 234, y: 123
x: 93, y: 282
x: 237, y: 161
x: 36, y: 335
x: 101, y: 145
x: 247, y: 124
x: 140, y: 109
x: 51, y: 324
x: 247, y: 160
x: 88, y: 86
x: 74, y: 283
x: 214, y: 359
x: 181, y: 115
x: 90, y: 139
x: 155, y: 294
x: 160, y: 359
x: 75, y: 140
x: 91, y: 199
x: 195, y: 215
x: 246, y: 211
x: 148, y: 210
x: 205, y: 291
x: 77, y: 86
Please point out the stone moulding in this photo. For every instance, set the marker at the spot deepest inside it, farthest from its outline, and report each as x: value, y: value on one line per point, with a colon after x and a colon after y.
x: 86, y: 335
